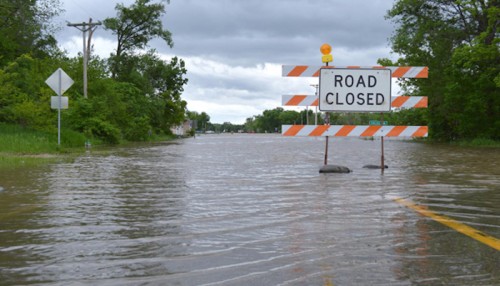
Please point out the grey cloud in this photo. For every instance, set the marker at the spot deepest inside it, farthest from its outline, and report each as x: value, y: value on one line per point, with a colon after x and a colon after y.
x: 275, y: 31
x: 250, y: 85
x: 247, y: 33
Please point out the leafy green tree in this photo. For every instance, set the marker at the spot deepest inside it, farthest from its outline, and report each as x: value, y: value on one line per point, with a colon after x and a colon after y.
x: 459, y: 42
x: 24, y: 96
x: 144, y: 97
x: 161, y: 82
x: 193, y: 116
x: 269, y: 121
x: 228, y: 127
x: 250, y: 124
x: 134, y: 27
x: 25, y: 28
x: 105, y: 116
x: 202, y: 121
x: 289, y: 117
x: 166, y: 84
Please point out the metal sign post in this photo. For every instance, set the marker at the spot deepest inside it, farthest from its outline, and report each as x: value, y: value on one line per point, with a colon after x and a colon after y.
x: 59, y: 82
x: 59, y: 93
x: 382, y: 164
x: 326, y: 49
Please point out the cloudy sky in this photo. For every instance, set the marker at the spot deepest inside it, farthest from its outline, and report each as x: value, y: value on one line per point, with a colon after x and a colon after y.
x: 234, y: 49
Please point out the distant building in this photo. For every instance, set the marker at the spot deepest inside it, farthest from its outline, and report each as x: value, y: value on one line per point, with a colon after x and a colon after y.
x: 182, y: 130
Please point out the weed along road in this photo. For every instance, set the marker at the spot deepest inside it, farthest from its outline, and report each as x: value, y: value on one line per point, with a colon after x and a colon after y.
x: 248, y: 209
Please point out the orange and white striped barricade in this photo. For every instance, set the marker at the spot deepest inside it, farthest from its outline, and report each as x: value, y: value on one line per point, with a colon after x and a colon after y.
x: 409, y: 101
x: 354, y: 130
x: 299, y: 100
x: 396, y: 101
x: 313, y: 71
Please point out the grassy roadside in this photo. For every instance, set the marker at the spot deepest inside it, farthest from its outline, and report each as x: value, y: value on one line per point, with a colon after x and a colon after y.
x: 479, y: 142
x: 24, y: 147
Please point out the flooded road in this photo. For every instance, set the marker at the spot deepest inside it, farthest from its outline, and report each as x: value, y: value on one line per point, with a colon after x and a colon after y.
x: 252, y: 210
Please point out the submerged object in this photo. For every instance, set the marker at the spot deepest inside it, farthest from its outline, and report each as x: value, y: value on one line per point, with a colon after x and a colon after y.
x: 370, y: 166
x: 334, y: 169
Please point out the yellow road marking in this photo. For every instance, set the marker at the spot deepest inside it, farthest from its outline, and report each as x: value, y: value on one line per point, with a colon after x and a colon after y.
x: 460, y: 227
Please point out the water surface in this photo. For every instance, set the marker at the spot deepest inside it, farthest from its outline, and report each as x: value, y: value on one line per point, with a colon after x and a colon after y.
x: 252, y: 210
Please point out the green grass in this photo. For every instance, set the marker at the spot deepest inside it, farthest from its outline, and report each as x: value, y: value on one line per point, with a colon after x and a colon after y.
x: 15, y: 139
x: 22, y: 147
x: 480, y: 142
x: 19, y: 140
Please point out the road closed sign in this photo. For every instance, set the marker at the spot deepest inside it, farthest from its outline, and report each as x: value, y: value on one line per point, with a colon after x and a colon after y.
x: 355, y: 90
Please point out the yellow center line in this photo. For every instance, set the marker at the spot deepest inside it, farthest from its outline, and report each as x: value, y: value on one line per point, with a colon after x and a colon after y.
x: 460, y: 227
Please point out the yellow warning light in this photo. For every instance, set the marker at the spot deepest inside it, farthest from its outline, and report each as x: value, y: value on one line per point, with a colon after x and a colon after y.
x: 325, y: 49
x: 327, y: 58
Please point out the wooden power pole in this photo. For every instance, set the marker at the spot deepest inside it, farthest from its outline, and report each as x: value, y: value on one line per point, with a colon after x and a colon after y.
x: 86, y: 27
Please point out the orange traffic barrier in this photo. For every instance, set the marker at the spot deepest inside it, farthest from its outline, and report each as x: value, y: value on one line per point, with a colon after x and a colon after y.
x: 396, y: 101
x: 313, y: 71
x: 354, y: 130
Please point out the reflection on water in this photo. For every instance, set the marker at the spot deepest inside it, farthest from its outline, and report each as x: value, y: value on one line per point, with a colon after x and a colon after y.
x: 252, y: 210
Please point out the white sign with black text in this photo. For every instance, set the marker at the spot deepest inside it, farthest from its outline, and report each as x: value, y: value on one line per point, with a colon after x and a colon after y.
x: 355, y: 90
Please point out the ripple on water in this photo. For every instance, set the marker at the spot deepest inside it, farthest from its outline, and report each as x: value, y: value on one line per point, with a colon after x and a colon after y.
x: 253, y: 210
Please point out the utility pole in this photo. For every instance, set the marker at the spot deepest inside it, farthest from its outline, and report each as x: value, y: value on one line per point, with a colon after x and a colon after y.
x: 86, y: 27
x: 316, y: 86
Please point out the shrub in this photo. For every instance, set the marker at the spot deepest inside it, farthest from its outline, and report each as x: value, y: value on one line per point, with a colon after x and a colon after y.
x: 103, y: 130
x: 139, y: 129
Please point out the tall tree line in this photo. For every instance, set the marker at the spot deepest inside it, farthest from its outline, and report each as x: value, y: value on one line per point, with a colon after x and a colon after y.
x: 460, y: 43
x: 131, y: 94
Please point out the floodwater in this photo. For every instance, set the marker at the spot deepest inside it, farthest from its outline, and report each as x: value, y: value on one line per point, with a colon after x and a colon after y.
x: 242, y: 209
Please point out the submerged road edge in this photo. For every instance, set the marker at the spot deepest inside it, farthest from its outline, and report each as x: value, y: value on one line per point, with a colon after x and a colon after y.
x: 460, y: 227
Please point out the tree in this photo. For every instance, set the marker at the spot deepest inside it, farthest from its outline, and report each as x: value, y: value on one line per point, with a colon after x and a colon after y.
x: 269, y: 121
x: 144, y: 97
x: 202, y: 119
x: 162, y: 83
x: 24, y: 96
x: 25, y: 28
x: 250, y: 124
x: 134, y: 27
x: 290, y: 117
x: 459, y: 42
